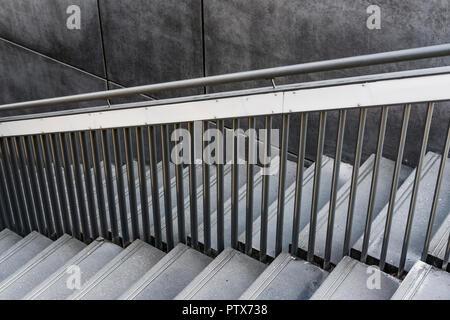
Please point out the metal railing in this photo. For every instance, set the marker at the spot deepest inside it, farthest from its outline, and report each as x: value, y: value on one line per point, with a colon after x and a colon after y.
x: 61, y: 172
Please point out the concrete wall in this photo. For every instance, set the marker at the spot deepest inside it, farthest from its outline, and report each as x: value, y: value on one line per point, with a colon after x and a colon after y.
x: 124, y: 43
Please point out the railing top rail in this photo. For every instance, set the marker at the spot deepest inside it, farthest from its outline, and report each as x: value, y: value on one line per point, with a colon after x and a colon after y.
x: 269, y: 73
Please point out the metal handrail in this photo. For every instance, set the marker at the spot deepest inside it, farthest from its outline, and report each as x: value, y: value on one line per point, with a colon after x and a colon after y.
x: 268, y: 73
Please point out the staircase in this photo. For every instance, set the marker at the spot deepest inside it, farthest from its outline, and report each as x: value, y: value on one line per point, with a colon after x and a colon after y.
x: 35, y: 267
x: 94, y: 205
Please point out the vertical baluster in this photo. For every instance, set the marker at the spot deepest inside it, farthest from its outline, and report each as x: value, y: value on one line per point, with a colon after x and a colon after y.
x: 282, y: 183
x: 437, y: 191
x: 89, y: 186
x: 12, y: 159
x: 334, y: 188
x: 61, y: 187
x: 235, y: 186
x: 299, y: 182
x: 251, y: 140
x: 391, y: 206
x: 53, y: 190
x: 69, y: 178
x: 316, y: 186
x: 354, y: 182
x: 18, y: 146
x: 143, y: 183
x: 98, y: 182
x: 193, y: 188
x: 154, y: 186
x: 412, y: 204
x: 206, y: 191
x: 109, y: 178
x: 6, y: 206
x: 118, y: 161
x: 220, y: 185
x: 79, y: 190
x: 374, y: 183
x: 265, y: 188
x: 167, y: 185
x: 49, y: 212
x: 129, y: 159
x: 179, y: 187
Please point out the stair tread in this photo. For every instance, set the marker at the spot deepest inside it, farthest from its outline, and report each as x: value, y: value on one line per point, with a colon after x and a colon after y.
x: 226, y: 277
x: 308, y: 181
x: 386, y: 171
x: 8, y: 239
x: 422, y: 212
x: 350, y: 279
x: 120, y: 273
x: 424, y: 282
x: 438, y: 243
x: 36, y: 270
x: 89, y: 261
x: 286, y: 278
x: 21, y: 252
x: 169, y: 276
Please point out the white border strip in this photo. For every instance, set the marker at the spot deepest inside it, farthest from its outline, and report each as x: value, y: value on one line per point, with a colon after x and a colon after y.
x: 380, y: 93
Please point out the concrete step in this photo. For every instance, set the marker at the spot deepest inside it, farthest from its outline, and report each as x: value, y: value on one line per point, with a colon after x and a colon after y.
x: 361, y: 205
x: 424, y: 282
x: 169, y: 276
x: 88, y: 261
x: 21, y: 252
x: 120, y: 273
x: 226, y: 277
x: 438, y: 243
x: 8, y: 239
x: 39, y: 268
x: 308, y: 181
x: 286, y: 278
x: 421, y: 216
x: 353, y: 280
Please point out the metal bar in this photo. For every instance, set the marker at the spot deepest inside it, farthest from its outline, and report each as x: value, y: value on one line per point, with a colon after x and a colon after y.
x: 79, y: 190
x: 251, y: 140
x: 316, y: 186
x: 235, y: 187
x: 374, y: 183
x: 446, y: 255
x: 220, y: 186
x: 143, y: 183
x: 12, y: 157
x: 118, y: 161
x: 154, y: 185
x: 206, y: 192
x: 167, y: 185
x: 282, y: 183
x: 29, y: 153
x: 50, y: 169
x: 61, y: 187
x: 354, y: 183
x: 265, y: 189
x: 98, y: 183
x: 89, y: 185
x: 412, y: 204
x: 7, y: 212
x: 299, y: 182
x: 179, y: 188
x: 437, y: 191
x: 391, y: 206
x: 269, y: 73
x: 334, y: 188
x: 108, y: 171
x: 69, y: 178
x: 193, y: 188
x: 28, y: 191
x: 45, y: 192
x: 129, y: 159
